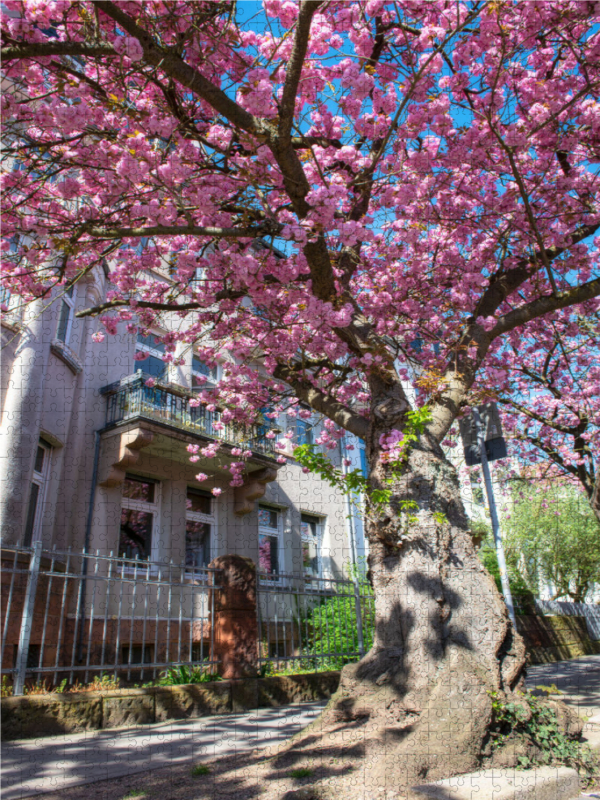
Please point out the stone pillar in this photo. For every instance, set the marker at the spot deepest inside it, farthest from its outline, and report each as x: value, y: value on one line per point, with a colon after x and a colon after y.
x: 233, y: 602
x: 21, y: 419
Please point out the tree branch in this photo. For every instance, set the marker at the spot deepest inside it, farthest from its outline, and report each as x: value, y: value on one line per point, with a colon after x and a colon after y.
x: 570, y: 430
x: 294, y: 71
x: 225, y: 294
x: 189, y: 230
x: 174, y: 66
x: 544, y: 305
x: 321, y: 402
x: 41, y: 49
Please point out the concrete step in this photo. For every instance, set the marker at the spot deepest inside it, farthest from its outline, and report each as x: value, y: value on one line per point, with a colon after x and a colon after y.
x: 543, y: 783
x: 592, y: 737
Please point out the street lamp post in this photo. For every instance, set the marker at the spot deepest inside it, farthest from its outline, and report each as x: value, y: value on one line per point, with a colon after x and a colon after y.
x: 487, y: 476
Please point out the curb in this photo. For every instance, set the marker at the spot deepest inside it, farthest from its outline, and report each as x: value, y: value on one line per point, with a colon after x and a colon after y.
x: 543, y: 783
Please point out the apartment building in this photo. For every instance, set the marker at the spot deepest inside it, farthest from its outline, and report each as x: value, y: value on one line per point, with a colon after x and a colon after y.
x: 95, y: 458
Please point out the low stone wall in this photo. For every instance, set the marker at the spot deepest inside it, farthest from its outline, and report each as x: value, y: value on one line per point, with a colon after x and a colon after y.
x: 555, y: 638
x: 48, y: 715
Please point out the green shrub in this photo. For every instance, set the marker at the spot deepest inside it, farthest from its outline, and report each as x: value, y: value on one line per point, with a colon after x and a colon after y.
x: 200, y: 769
x: 331, y: 628
x: 178, y: 676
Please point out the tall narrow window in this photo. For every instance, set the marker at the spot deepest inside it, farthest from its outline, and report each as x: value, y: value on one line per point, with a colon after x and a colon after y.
x: 153, y: 351
x: 310, y: 531
x: 199, y: 528
x: 203, y: 376
x: 65, y: 315
x: 139, y: 517
x: 269, y: 534
x: 364, y: 466
x: 304, y: 431
x: 41, y: 467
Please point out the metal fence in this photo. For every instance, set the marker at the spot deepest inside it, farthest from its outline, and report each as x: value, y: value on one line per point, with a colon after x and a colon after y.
x: 312, y: 624
x: 72, y: 616
x: 131, y: 397
x: 590, y: 612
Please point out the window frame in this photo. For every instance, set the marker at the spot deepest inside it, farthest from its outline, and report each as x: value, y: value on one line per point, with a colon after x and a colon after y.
x: 208, y: 519
x: 212, y: 379
x: 40, y: 479
x: 70, y: 301
x: 276, y: 533
x: 308, y: 431
x: 155, y: 353
x: 318, y: 539
x: 362, y: 455
x: 141, y: 505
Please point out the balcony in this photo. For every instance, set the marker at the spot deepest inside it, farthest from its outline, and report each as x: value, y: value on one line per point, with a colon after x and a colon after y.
x: 131, y: 399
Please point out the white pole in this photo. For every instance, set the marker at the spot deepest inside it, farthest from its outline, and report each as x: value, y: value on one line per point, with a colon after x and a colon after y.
x: 494, y: 515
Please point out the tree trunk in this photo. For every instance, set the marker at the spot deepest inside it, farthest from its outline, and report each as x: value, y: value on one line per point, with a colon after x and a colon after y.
x: 417, y: 706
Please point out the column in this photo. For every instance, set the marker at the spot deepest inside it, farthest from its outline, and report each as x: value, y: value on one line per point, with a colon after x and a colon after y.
x: 21, y: 419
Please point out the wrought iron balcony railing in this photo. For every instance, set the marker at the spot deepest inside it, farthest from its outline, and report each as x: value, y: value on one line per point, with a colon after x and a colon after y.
x: 130, y: 398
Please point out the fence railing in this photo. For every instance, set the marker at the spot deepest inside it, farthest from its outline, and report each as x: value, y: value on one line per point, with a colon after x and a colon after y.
x: 131, y: 397
x: 590, y: 612
x: 77, y: 615
x: 312, y: 624
x: 73, y: 616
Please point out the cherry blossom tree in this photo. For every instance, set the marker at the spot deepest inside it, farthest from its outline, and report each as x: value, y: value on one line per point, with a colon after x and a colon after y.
x: 418, y: 173
x: 550, y: 396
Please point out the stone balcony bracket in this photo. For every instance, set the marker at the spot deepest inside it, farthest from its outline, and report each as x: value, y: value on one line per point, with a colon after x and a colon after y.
x: 121, y: 453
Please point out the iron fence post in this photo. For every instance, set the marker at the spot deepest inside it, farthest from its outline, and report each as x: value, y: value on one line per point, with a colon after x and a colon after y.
x: 359, y: 621
x: 27, y: 618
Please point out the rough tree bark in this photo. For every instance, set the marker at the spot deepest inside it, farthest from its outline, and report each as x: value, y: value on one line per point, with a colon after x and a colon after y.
x: 417, y: 706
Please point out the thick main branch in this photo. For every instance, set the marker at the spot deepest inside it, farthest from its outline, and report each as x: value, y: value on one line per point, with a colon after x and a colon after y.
x: 319, y: 401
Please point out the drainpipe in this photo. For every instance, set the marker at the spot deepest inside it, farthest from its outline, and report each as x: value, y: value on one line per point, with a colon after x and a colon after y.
x: 86, y: 544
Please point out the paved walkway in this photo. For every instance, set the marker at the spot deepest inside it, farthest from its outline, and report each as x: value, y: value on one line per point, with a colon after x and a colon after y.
x: 34, y: 766
x: 578, y: 681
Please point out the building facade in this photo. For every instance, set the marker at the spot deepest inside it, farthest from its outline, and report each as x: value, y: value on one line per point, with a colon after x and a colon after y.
x: 94, y: 457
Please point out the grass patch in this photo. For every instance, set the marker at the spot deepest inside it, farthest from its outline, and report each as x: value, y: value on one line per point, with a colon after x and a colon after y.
x: 200, y: 769
x: 134, y: 793
x: 303, y: 772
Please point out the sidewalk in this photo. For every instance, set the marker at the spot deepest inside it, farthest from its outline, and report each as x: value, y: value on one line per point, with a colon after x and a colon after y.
x: 34, y: 766
x: 578, y: 680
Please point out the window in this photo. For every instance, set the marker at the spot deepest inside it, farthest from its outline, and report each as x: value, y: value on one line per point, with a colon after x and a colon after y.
x: 41, y: 467
x: 269, y: 531
x: 139, y: 517
x: 5, y: 296
x: 199, y: 528
x: 66, y: 315
x: 203, y: 376
x: 363, y: 458
x: 304, y: 432
x: 154, y: 351
x: 310, y: 532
